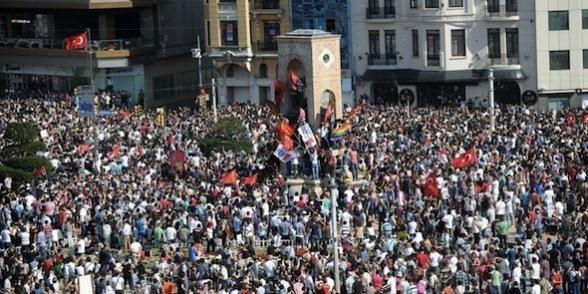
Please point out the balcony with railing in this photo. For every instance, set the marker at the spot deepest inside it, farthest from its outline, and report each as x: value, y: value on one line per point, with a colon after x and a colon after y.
x: 266, y: 7
x: 103, y: 48
x: 510, y: 10
x: 266, y: 46
x: 266, y: 4
x: 503, y: 59
x: 376, y: 12
x: 433, y: 60
x: 382, y: 59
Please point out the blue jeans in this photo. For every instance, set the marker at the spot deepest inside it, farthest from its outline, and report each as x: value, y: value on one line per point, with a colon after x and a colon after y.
x: 315, y: 170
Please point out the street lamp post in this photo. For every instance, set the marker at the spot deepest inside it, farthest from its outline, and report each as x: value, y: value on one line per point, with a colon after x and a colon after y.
x: 199, y: 63
x: 333, y: 187
x: 491, y: 98
x: 197, y: 54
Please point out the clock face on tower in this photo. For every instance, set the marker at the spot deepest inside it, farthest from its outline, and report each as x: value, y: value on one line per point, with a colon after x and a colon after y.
x: 326, y: 58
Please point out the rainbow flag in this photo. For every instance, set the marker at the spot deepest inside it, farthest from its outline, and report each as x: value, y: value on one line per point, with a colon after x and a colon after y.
x: 341, y: 131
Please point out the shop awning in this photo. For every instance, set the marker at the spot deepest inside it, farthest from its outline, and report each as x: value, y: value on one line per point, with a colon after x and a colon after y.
x: 412, y: 76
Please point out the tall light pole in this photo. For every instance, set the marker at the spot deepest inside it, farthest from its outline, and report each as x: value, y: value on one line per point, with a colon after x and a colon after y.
x: 491, y: 98
x: 334, y: 232
x: 199, y: 63
x: 214, y: 100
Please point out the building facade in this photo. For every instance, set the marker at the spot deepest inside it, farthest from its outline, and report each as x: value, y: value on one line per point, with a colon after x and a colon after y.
x: 241, y: 39
x: 562, y: 52
x: 330, y: 16
x: 435, y: 52
x: 139, y: 46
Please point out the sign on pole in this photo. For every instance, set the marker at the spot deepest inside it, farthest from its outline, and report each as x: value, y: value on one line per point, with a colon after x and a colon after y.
x: 307, y: 135
x: 86, y: 106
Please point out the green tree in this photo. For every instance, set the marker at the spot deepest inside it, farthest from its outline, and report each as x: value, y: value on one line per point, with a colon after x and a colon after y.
x: 228, y: 134
x: 18, y: 160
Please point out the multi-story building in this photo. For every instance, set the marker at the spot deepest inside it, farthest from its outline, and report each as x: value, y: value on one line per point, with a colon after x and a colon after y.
x: 562, y: 52
x: 439, y: 51
x: 139, y: 45
x: 330, y: 16
x: 241, y: 36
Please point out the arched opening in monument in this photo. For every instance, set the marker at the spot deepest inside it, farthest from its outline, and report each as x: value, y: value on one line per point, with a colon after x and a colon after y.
x: 297, y: 85
x: 385, y: 93
x: 327, y: 113
x: 507, y: 92
x: 237, y: 92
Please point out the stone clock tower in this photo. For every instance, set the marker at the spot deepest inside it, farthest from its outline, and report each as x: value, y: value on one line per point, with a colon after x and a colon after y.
x: 312, y: 58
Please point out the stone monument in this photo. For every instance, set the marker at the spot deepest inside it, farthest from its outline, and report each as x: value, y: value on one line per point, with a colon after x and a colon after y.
x: 310, y: 65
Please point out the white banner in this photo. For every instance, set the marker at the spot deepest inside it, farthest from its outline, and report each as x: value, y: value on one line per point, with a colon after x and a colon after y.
x: 282, y: 154
x: 307, y: 135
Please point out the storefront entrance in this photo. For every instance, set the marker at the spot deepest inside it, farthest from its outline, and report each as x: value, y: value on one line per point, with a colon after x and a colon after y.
x: 441, y: 94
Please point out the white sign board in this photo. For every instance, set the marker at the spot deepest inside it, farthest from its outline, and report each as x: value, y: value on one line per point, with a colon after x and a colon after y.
x: 86, y: 284
x: 283, y: 154
x: 307, y: 135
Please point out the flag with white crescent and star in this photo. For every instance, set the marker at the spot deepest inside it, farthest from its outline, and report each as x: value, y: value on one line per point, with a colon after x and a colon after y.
x: 79, y: 41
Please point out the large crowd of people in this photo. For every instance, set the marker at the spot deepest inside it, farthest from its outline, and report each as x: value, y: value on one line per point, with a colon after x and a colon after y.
x: 513, y: 221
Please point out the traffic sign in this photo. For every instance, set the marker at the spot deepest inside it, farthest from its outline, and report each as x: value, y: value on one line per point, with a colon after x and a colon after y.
x: 86, y: 106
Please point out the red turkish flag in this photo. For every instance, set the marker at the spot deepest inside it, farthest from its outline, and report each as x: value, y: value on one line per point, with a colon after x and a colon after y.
x: 250, y: 180
x: 79, y: 41
x: 465, y: 159
x: 430, y: 187
x: 229, y: 178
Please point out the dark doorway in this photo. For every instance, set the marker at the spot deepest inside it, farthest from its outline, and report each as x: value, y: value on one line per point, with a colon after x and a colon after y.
x: 440, y: 94
x: 385, y: 93
x: 507, y: 92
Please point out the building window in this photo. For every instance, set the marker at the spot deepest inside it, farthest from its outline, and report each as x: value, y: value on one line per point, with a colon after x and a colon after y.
x: 414, y: 4
x: 493, y: 43
x: 455, y: 3
x: 458, y: 43
x: 230, y: 71
x: 512, y: 45
x: 263, y: 71
x: 374, y: 39
x: 331, y: 25
x: 559, y: 60
x: 493, y: 6
x: 433, y: 48
x: 585, y: 57
x: 584, y: 19
x: 390, y: 43
x: 415, y: 43
x: 558, y: 21
x: 163, y: 87
x: 229, y: 33
x: 270, y: 32
x: 431, y: 3
x: 512, y: 7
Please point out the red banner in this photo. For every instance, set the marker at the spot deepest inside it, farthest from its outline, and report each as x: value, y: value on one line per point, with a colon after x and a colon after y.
x: 465, y: 159
x: 229, y: 178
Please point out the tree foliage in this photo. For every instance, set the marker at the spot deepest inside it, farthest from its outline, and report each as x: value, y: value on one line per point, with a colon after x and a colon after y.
x: 229, y: 134
x: 18, y: 160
